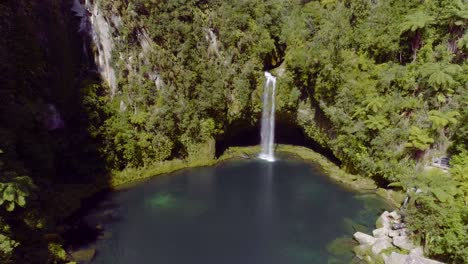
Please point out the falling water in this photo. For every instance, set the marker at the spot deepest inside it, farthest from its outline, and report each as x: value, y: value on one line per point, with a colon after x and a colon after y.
x: 268, y: 118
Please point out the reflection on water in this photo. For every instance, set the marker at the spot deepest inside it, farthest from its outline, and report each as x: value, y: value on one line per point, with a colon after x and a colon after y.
x: 238, y: 212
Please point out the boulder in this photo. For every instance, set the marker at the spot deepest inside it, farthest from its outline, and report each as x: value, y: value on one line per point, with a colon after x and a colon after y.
x: 83, y: 255
x: 403, y: 242
x: 417, y: 251
x: 396, y: 258
x: 394, y: 233
x: 395, y: 216
x: 361, y: 251
x: 384, y: 221
x: 380, y: 245
x: 364, y: 239
x: 380, y: 232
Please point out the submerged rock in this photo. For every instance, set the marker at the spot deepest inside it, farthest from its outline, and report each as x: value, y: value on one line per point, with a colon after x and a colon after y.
x: 352, y: 226
x: 83, y: 255
x: 341, y: 246
x: 362, y: 250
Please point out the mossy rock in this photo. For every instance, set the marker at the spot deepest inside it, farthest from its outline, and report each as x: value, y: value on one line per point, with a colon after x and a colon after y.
x: 351, y: 226
x: 362, y: 250
x: 396, y: 198
x: 341, y: 246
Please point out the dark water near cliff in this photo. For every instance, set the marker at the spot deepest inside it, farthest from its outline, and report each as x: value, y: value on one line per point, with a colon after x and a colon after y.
x: 239, y: 212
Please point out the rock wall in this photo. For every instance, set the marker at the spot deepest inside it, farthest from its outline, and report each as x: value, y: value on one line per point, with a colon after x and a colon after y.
x: 100, y: 28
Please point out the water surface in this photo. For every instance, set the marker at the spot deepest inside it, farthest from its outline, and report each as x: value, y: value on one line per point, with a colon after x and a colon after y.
x: 248, y: 212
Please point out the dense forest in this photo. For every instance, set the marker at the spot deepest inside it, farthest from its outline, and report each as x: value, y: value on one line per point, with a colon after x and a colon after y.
x: 380, y: 84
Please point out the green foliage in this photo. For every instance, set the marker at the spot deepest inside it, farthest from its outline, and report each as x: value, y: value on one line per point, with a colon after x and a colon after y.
x: 57, y: 251
x: 376, y: 122
x: 441, y: 120
x: 459, y: 172
x: 419, y: 139
x: 438, y: 215
x: 416, y: 21
x: 7, y: 245
x: 15, y: 192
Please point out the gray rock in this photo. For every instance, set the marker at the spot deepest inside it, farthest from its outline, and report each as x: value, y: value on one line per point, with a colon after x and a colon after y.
x: 394, y: 233
x: 361, y: 251
x: 417, y: 251
x: 403, y: 242
x: 396, y: 258
x: 380, y: 232
x: 395, y: 216
x: 384, y: 221
x: 380, y: 245
x: 364, y: 239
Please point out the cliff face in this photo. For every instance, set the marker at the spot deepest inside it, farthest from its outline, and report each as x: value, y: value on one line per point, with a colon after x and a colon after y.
x: 185, y: 74
x: 101, y: 31
x: 180, y: 74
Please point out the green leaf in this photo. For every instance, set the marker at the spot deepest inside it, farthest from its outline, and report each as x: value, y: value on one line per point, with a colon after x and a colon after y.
x: 395, y: 184
x: 21, y: 201
x: 440, y: 194
x: 9, y: 193
x: 441, y: 98
x: 10, y: 207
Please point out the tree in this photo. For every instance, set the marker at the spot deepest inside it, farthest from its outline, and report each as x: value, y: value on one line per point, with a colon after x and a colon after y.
x: 442, y: 119
x: 440, y: 77
x: 415, y: 23
x: 419, y: 139
x: 376, y: 122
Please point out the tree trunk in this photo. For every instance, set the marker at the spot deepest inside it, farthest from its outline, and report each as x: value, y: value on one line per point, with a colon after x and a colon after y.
x: 416, y: 43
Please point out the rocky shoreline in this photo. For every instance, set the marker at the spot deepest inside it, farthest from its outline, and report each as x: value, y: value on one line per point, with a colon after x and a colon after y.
x: 390, y: 243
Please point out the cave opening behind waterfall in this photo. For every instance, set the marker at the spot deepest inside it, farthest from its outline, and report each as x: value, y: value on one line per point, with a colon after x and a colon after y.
x: 241, y: 134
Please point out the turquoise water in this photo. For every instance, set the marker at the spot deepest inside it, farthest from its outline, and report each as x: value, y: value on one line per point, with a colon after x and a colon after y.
x: 245, y: 212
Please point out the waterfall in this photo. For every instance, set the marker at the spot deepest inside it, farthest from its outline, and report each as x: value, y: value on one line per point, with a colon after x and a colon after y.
x: 267, y: 132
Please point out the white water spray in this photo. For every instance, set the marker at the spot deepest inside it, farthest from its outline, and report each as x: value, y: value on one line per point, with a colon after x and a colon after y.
x: 268, y: 119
